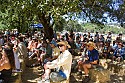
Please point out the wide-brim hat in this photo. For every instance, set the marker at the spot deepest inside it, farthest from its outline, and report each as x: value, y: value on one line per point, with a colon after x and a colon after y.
x: 64, y: 43
x: 91, y: 44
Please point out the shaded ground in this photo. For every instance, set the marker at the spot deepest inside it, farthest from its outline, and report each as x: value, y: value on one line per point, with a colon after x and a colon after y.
x: 32, y: 75
x: 28, y: 76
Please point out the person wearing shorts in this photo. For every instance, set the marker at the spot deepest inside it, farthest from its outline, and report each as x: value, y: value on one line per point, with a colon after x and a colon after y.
x: 90, y: 61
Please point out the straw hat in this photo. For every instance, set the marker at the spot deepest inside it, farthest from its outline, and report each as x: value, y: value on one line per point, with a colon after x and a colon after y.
x: 64, y: 43
x: 91, y: 44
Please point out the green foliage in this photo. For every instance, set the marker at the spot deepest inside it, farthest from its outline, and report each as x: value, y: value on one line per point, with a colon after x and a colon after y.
x: 73, y: 25
x: 21, y: 13
x: 114, y: 29
x: 89, y: 27
x: 60, y: 24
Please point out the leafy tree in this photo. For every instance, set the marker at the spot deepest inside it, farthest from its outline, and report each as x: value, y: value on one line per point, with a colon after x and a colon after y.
x: 60, y: 24
x: 43, y: 11
x: 73, y: 25
x: 20, y: 13
x: 118, y: 13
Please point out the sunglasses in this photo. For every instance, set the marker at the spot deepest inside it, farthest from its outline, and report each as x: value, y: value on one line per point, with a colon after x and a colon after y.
x: 60, y: 45
x: 88, y: 46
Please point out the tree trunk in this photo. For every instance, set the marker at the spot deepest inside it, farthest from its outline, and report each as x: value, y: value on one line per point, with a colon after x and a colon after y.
x: 48, y: 30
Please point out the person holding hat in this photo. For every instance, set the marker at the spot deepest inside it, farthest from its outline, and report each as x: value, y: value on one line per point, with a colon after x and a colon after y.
x: 21, y: 50
x: 91, y: 60
x: 62, y: 64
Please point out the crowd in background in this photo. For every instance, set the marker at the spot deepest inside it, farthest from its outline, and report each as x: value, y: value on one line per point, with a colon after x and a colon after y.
x: 15, y: 48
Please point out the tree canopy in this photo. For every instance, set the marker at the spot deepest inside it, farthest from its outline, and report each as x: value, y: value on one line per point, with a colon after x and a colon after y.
x: 21, y: 13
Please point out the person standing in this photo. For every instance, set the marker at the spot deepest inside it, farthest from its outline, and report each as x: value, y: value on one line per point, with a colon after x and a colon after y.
x: 21, y: 51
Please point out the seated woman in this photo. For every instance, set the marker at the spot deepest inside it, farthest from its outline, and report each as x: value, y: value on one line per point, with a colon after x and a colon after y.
x: 44, y: 52
x: 36, y: 53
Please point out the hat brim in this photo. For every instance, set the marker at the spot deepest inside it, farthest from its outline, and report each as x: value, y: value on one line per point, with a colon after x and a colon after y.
x: 54, y: 44
x: 88, y: 44
x: 63, y: 43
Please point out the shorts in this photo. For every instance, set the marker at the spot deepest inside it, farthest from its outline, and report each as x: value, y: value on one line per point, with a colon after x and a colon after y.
x: 92, y: 65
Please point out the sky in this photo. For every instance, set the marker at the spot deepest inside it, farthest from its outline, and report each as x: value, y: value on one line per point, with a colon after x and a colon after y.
x: 83, y: 19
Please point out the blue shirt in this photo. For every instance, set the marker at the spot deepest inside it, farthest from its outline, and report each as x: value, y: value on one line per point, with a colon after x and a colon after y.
x: 93, y: 55
x: 115, y: 46
x: 119, y: 52
x: 78, y: 46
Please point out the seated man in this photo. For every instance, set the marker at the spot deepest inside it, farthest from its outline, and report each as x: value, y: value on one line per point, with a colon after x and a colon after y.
x: 55, y: 53
x: 48, y: 51
x: 62, y: 63
x: 91, y: 60
x: 55, y: 50
x: 119, y: 53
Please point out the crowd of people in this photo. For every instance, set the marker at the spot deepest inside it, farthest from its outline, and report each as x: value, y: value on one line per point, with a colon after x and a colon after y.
x: 56, y: 56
